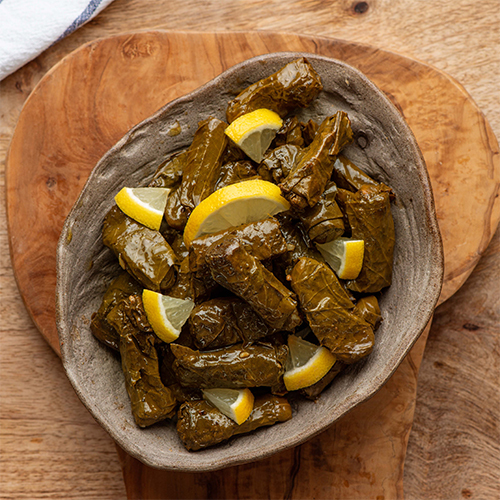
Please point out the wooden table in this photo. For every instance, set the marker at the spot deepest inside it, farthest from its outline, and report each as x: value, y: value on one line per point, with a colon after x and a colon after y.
x: 51, y: 447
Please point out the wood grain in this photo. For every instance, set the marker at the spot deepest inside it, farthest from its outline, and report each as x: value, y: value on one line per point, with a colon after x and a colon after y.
x: 455, y: 440
x: 359, y: 457
x: 66, y: 142
x: 455, y: 36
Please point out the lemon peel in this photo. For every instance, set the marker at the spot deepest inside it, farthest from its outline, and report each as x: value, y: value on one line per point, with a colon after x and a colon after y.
x: 344, y: 256
x: 253, y: 132
x: 237, y: 404
x: 306, y: 364
x: 145, y: 205
x: 166, y: 314
x: 233, y: 205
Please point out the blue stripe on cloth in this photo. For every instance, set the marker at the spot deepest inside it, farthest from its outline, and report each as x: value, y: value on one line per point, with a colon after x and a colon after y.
x: 82, y: 18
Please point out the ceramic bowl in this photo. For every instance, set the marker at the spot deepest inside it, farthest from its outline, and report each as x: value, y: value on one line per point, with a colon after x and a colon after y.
x: 384, y: 146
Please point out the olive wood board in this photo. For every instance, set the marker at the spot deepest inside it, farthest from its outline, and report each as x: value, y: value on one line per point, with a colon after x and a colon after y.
x: 85, y: 103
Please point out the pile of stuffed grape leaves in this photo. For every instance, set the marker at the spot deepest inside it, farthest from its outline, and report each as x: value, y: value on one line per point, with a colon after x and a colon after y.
x: 219, y: 327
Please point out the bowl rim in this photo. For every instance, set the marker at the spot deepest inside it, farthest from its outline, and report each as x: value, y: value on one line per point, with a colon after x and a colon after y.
x: 203, y: 464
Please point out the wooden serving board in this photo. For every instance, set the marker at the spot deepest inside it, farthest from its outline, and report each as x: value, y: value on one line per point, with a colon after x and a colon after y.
x: 92, y: 97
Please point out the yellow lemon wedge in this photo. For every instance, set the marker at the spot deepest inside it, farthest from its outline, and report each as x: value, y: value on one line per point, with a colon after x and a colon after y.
x: 165, y: 314
x: 145, y: 205
x: 345, y: 256
x: 306, y: 363
x: 237, y: 404
x: 253, y: 132
x: 233, y: 205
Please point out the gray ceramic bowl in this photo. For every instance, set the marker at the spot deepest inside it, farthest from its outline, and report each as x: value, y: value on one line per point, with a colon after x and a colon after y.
x: 384, y: 146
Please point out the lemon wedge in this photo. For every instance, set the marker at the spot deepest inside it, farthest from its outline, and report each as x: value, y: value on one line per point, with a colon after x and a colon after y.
x: 345, y: 256
x: 145, y: 205
x: 237, y: 404
x: 233, y: 205
x: 165, y: 314
x: 306, y: 363
x: 253, y: 132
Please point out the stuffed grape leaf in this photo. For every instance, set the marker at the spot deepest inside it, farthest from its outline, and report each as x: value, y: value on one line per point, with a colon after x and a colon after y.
x: 290, y: 133
x: 241, y: 273
x: 141, y: 251
x: 294, y: 85
x: 120, y: 288
x: 297, y: 240
x: 324, y: 221
x: 233, y: 172
x: 203, y: 161
x: 237, y: 366
x: 200, y: 424
x: 224, y: 321
x: 328, y: 310
x: 278, y: 162
x: 307, y: 180
x: 347, y: 175
x: 368, y: 309
x: 169, y: 173
x: 370, y: 218
x: 151, y: 401
x: 188, y: 286
x: 263, y: 239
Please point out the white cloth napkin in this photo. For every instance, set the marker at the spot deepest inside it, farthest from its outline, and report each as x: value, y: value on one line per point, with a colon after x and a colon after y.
x: 28, y: 27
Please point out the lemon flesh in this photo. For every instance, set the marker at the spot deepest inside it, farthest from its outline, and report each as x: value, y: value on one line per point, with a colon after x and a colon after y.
x: 253, y: 132
x: 306, y: 363
x: 345, y: 256
x: 165, y: 314
x: 145, y: 205
x: 233, y: 205
x: 237, y: 404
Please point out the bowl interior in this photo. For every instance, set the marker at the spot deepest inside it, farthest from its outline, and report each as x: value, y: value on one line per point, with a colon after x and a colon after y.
x: 384, y: 147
